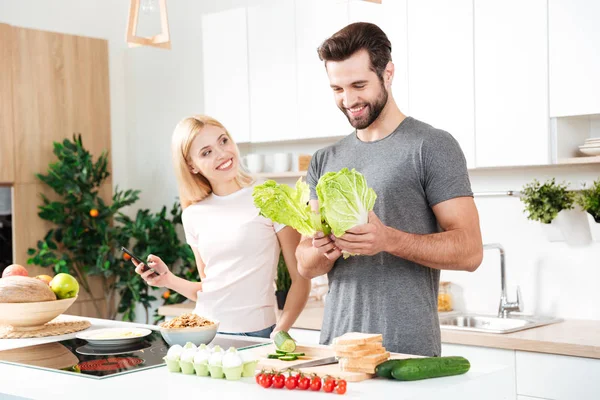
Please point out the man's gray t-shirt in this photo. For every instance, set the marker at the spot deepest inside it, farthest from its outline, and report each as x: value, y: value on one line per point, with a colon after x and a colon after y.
x: 411, y: 170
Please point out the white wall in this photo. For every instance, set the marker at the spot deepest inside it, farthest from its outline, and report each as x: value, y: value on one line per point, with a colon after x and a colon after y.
x: 151, y: 89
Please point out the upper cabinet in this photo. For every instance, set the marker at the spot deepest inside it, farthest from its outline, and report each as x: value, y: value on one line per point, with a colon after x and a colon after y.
x: 511, y: 83
x: 225, y: 55
x: 7, y: 149
x: 574, y: 41
x: 440, y: 68
x: 390, y: 16
x: 272, y: 71
x: 318, y: 114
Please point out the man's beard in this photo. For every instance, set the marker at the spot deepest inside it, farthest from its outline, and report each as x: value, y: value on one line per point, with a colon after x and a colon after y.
x: 372, y: 111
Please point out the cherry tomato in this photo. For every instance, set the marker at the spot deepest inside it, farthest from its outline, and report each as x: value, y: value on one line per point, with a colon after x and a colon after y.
x: 341, y: 387
x: 259, y: 377
x: 330, y: 379
x: 328, y: 386
x: 278, y: 381
x: 315, y: 384
x: 303, y: 383
x: 267, y: 381
x: 291, y: 382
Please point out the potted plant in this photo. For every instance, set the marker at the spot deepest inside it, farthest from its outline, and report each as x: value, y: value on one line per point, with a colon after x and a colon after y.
x: 589, y: 200
x: 283, y: 282
x: 544, y: 202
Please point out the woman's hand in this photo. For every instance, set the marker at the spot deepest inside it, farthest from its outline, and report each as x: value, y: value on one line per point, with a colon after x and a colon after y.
x: 158, y: 279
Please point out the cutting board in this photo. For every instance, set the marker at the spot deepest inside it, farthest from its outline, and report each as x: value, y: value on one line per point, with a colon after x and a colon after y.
x: 312, y: 353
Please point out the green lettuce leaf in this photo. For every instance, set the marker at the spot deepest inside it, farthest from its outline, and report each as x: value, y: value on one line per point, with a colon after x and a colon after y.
x: 345, y: 200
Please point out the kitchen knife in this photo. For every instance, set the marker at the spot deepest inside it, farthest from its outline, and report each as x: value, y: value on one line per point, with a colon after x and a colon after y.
x: 315, y: 363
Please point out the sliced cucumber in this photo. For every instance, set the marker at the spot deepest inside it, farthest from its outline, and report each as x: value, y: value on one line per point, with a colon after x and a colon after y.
x: 276, y: 356
x: 280, y: 352
x: 283, y: 341
x: 288, y: 358
x: 295, y: 354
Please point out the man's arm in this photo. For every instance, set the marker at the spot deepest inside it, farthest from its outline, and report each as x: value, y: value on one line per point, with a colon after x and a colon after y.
x: 458, y: 247
x: 317, y: 255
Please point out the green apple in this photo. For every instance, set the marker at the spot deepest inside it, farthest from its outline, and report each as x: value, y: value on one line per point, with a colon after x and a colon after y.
x: 64, y: 286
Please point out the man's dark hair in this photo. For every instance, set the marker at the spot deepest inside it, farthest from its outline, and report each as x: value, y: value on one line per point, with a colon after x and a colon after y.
x: 358, y: 36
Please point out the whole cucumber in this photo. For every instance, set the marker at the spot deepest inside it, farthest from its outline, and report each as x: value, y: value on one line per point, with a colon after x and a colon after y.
x: 413, y: 369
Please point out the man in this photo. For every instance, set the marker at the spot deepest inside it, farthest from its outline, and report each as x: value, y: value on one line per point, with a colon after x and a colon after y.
x: 419, y: 174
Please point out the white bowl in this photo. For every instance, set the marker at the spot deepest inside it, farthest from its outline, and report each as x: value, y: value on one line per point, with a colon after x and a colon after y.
x: 198, y: 336
x: 590, y: 151
x: 32, y: 316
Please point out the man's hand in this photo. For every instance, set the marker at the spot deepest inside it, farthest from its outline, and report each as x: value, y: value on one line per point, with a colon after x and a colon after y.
x: 368, y: 239
x: 326, y: 246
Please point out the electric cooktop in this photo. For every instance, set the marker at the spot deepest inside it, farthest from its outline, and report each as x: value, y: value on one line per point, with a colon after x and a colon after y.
x: 77, y: 357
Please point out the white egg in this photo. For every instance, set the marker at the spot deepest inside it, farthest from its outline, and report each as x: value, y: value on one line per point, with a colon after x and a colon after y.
x: 202, y: 356
x: 231, y: 359
x: 188, y: 355
x: 174, y: 352
x: 216, y: 358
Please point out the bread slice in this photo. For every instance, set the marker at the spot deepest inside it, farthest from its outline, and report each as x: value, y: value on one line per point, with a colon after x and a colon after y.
x: 379, y: 349
x: 358, y: 338
x: 357, y: 347
x: 365, y: 370
x: 364, y: 362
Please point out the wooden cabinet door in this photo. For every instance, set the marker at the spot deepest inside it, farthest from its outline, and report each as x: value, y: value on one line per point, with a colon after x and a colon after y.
x: 440, y: 68
x: 574, y: 40
x: 7, y: 148
x: 511, y: 83
x: 60, y: 88
x: 225, y: 54
x: 272, y: 71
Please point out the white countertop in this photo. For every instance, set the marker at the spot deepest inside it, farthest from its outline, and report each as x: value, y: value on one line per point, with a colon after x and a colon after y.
x: 482, y: 381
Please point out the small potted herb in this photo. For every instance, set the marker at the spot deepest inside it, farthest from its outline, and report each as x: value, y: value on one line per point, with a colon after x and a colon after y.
x: 283, y: 282
x: 589, y: 200
x: 543, y: 203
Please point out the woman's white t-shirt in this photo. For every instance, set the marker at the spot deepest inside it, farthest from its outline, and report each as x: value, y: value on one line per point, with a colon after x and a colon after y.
x: 240, y: 251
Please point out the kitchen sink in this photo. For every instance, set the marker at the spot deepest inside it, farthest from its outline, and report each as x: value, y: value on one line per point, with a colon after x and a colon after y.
x: 494, y: 324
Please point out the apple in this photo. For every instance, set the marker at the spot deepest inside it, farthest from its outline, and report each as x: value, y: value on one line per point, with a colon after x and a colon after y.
x: 64, y: 286
x: 14, y: 269
x: 45, y: 278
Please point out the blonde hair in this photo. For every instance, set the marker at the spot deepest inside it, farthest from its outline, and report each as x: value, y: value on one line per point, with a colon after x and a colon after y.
x: 195, y: 187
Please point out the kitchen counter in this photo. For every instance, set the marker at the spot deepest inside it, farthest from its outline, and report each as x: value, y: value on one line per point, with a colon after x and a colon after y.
x: 571, y: 337
x: 482, y: 381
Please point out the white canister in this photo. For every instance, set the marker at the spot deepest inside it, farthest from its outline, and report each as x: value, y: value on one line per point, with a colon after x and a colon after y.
x: 253, y: 162
x: 282, y: 162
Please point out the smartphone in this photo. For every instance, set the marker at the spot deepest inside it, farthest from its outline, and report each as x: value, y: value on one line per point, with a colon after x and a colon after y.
x: 139, y: 260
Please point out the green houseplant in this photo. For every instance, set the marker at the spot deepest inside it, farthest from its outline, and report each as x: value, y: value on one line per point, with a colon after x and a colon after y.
x: 283, y: 282
x: 543, y: 202
x: 89, y: 232
x: 589, y: 200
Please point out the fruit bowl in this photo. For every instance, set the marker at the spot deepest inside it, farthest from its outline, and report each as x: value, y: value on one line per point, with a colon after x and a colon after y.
x: 32, y: 316
x: 198, y: 336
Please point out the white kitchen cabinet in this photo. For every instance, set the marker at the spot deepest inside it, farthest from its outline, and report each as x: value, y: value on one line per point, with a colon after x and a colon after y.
x: 557, y: 377
x: 390, y: 16
x: 225, y: 62
x: 574, y: 40
x: 272, y: 71
x: 485, y: 356
x: 318, y: 113
x: 440, y: 68
x: 511, y: 83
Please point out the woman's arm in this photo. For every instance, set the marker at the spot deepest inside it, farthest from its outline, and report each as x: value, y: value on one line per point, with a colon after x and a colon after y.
x: 300, y: 289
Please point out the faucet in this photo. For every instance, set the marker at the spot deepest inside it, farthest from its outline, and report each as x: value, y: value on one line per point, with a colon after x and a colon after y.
x: 505, y: 306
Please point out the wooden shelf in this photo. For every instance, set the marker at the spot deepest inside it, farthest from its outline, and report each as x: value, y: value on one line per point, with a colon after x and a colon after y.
x: 275, y: 175
x: 580, y: 160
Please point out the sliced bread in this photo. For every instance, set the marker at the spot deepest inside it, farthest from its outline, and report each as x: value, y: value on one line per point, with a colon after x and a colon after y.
x: 357, y: 347
x: 358, y: 338
x: 371, y: 350
x: 364, y: 362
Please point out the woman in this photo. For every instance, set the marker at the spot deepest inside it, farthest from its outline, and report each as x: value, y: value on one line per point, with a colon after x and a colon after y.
x: 236, y: 249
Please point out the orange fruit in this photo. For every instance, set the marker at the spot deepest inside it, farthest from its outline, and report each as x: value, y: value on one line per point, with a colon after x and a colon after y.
x: 45, y: 278
x: 166, y: 295
x: 93, y: 213
x: 126, y: 257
